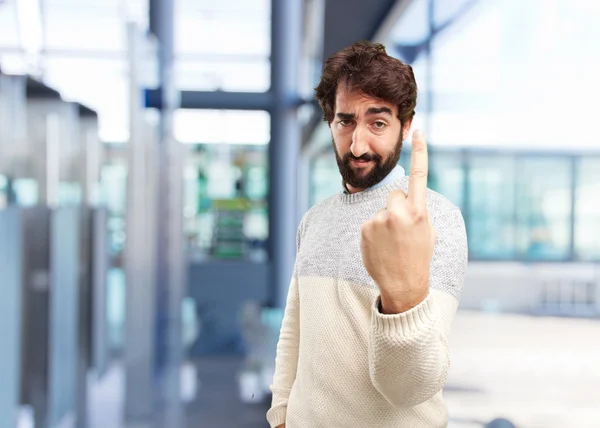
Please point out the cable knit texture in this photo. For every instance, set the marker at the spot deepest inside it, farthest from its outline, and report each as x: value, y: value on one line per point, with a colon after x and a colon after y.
x: 340, y: 362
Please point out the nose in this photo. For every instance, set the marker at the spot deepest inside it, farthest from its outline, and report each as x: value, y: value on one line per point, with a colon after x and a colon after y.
x: 360, y: 144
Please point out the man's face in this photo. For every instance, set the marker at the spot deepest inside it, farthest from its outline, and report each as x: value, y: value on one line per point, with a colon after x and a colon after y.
x: 367, y: 138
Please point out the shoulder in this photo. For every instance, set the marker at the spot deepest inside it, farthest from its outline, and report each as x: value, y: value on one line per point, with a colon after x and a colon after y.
x: 324, y: 206
x: 449, y: 224
x: 315, y: 213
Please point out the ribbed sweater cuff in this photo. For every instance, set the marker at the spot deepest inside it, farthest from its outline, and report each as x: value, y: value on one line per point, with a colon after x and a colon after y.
x: 276, y: 417
x: 406, y: 323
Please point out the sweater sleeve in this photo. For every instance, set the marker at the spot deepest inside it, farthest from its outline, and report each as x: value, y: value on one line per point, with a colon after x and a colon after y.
x: 286, y: 361
x: 408, y: 352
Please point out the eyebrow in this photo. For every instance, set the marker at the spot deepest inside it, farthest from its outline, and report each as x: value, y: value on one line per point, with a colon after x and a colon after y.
x: 379, y: 110
x: 346, y: 116
x: 370, y: 111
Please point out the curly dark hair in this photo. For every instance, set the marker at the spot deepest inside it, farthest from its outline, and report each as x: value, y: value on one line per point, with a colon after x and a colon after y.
x: 366, y: 66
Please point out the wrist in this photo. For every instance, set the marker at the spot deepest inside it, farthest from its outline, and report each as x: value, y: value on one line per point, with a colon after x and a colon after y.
x: 390, y: 305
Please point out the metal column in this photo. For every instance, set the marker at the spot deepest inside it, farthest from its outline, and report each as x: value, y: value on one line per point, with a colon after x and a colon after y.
x: 140, y: 302
x: 284, y: 149
x: 171, y: 263
x: 11, y: 272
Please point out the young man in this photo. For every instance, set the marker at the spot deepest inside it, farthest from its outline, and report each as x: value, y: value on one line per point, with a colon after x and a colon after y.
x: 379, y: 269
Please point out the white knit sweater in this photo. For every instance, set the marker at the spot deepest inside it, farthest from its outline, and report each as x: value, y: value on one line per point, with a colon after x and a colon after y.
x: 340, y: 362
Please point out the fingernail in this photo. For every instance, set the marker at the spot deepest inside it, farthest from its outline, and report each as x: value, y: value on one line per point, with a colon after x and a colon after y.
x: 417, y: 133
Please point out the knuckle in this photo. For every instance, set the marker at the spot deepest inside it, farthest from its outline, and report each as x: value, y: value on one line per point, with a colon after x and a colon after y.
x: 394, y: 215
x: 418, y: 214
x: 396, y: 218
x: 381, y: 220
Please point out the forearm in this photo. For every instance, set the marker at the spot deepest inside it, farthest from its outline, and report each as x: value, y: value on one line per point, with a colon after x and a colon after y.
x: 408, y: 353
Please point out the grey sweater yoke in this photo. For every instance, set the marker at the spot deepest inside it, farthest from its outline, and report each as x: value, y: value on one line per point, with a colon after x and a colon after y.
x: 329, y: 237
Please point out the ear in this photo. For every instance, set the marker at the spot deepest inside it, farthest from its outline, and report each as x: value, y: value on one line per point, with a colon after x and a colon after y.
x: 406, y: 129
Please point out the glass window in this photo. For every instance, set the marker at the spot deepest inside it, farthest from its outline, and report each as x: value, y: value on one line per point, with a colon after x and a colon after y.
x: 9, y: 36
x: 211, y: 55
x: 208, y: 30
x: 405, y: 155
x: 544, y: 208
x: 100, y: 84
x: 447, y: 176
x: 587, y: 209
x: 114, y: 196
x: 325, y: 179
x: 225, y: 74
x: 3, y: 192
x: 72, y: 26
x: 413, y: 26
x: 222, y: 126
x: 225, y: 205
x: 447, y: 10
x: 491, y: 207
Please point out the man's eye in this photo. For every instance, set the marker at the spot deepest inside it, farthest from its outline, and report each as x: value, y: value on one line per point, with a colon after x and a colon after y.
x: 345, y: 122
x: 379, y: 125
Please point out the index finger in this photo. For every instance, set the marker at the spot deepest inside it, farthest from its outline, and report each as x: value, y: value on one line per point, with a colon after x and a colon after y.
x: 419, y: 166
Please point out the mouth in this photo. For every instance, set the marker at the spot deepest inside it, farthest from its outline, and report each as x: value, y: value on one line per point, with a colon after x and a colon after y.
x: 360, y: 163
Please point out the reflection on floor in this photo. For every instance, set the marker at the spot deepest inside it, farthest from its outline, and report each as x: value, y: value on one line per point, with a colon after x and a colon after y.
x: 536, y: 372
x: 217, y: 404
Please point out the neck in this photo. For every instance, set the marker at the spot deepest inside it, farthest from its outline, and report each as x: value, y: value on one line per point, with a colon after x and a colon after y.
x: 351, y: 189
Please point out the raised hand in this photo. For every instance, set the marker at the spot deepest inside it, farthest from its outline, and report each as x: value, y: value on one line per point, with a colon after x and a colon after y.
x: 397, y: 244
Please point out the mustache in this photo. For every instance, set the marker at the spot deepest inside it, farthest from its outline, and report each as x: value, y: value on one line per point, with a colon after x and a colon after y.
x: 365, y: 157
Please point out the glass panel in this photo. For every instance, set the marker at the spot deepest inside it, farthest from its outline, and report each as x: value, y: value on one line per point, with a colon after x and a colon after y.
x: 491, y: 236
x: 446, y: 10
x: 404, y: 161
x: 3, y: 192
x: 97, y: 83
x: 544, y: 208
x: 13, y: 63
x: 413, y: 26
x: 116, y: 307
x: 508, y: 47
x: 114, y: 195
x: 447, y: 176
x: 225, y: 205
x: 74, y: 27
x: 222, y: 126
x: 587, y: 198
x: 325, y: 179
x: 587, y: 209
x: 490, y: 225
x: 25, y: 192
x: 587, y: 241
x: 218, y: 32
x: 234, y: 75
x: 211, y: 54
x: 9, y: 36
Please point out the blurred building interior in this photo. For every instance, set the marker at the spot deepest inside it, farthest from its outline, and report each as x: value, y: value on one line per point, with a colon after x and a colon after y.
x: 156, y: 157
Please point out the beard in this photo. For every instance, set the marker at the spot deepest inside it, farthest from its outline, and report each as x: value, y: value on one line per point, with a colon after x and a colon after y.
x: 355, y: 177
